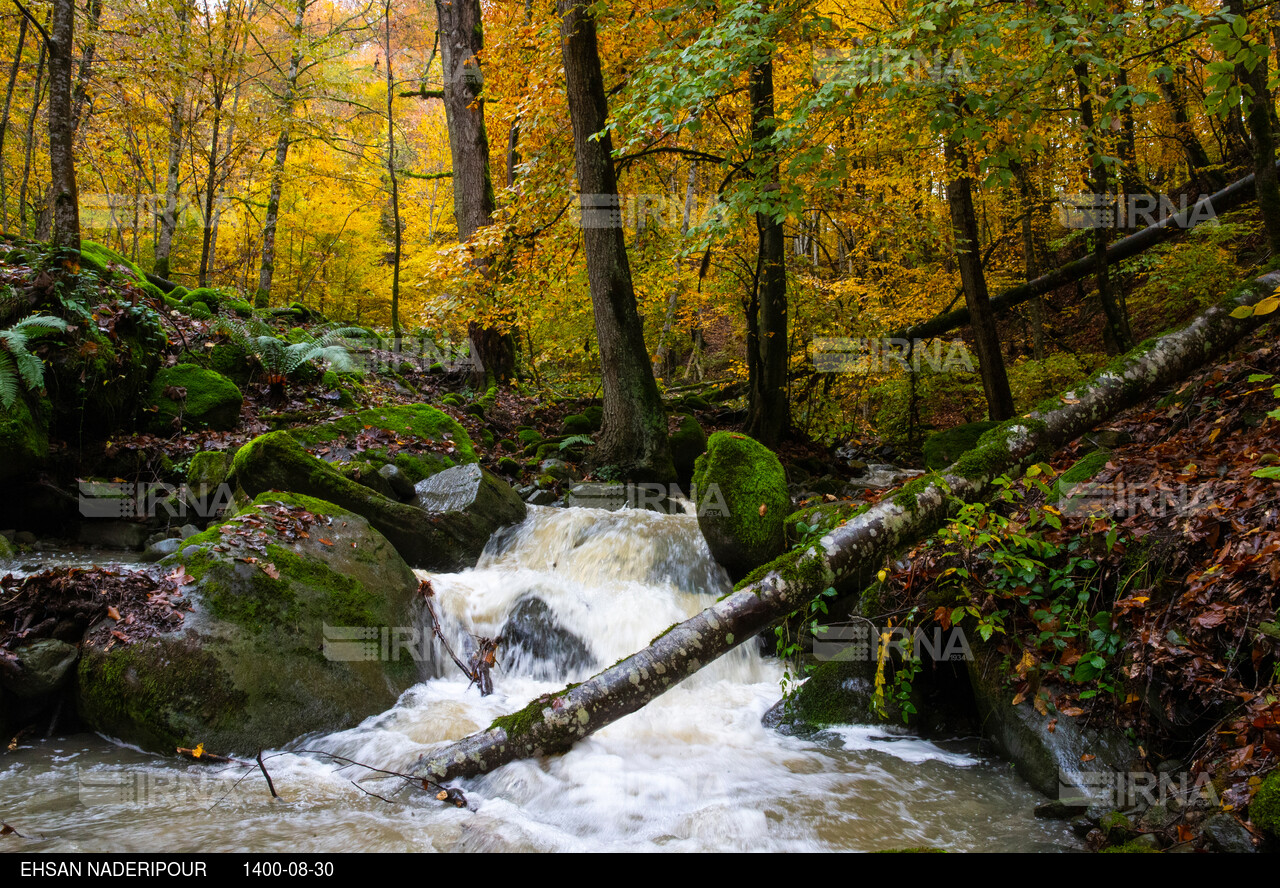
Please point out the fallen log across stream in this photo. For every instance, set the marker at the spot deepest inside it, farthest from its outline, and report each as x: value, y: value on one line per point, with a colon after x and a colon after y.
x: 554, y: 722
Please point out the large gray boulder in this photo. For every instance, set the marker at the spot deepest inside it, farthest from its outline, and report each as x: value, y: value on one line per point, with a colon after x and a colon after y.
x: 295, y: 602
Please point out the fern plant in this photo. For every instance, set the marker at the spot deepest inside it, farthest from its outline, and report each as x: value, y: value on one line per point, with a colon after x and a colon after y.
x: 280, y: 359
x: 17, y: 364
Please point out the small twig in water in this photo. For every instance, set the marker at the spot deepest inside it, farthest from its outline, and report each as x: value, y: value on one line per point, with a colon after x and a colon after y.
x: 263, y: 766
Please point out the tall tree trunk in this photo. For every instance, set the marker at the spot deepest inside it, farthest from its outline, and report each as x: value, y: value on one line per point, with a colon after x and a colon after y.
x: 461, y: 48
x: 80, y: 95
x: 634, y: 435
x: 846, y: 558
x: 211, y: 188
x: 262, y: 298
x: 4, y: 122
x: 1254, y: 86
x: 395, y: 184
x: 1198, y: 162
x: 964, y: 224
x: 768, y: 410
x: 1030, y: 263
x: 661, y: 360
x: 37, y: 93
x: 1117, y: 333
x: 62, y: 166
x: 169, y: 217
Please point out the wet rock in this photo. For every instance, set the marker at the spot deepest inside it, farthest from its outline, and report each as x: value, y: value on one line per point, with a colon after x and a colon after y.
x: 187, y: 531
x: 1042, y: 757
x: 44, y: 666
x: 398, y: 481
x: 598, y: 495
x: 7, y: 551
x: 1058, y: 810
x: 542, y: 498
x: 275, y: 648
x: 107, y: 534
x: 24, y: 538
x: 687, y: 444
x: 532, y: 631
x: 161, y: 549
x: 1225, y: 834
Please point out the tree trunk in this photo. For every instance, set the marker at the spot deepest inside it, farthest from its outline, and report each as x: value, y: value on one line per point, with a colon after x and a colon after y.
x: 37, y: 92
x: 845, y: 557
x: 461, y: 48
x: 964, y: 223
x: 1254, y: 86
x: 4, y: 122
x: 1029, y: 262
x: 634, y: 436
x: 395, y: 186
x: 169, y: 218
x: 662, y: 359
x: 262, y: 298
x: 768, y: 411
x: 1198, y: 162
x: 1117, y: 333
x: 62, y: 166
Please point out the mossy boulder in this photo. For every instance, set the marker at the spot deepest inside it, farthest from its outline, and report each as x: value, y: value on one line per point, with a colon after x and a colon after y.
x: 742, y: 498
x: 206, y: 296
x: 261, y: 659
x: 212, y: 401
x: 7, y: 551
x: 838, y: 692
x: 208, y: 469
x: 941, y: 449
x: 595, y: 416
x: 231, y: 359
x: 443, y: 532
x: 24, y: 440
x: 576, y: 424
x: 99, y: 383
x: 105, y: 256
x: 1264, y: 810
x: 687, y: 444
x: 346, y: 440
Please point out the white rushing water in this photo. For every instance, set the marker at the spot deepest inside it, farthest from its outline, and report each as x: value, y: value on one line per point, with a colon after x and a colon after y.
x: 693, y: 771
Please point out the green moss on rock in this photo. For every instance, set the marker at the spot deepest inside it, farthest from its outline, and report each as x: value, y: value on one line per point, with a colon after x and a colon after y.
x: 212, y: 401
x: 1264, y: 810
x: 741, y: 491
x: 24, y: 440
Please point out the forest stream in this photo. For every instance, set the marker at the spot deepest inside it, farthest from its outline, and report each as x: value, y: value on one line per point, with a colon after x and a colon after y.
x: 693, y: 771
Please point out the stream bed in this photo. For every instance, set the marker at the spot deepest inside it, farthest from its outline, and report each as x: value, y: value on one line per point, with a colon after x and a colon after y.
x: 572, y: 590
